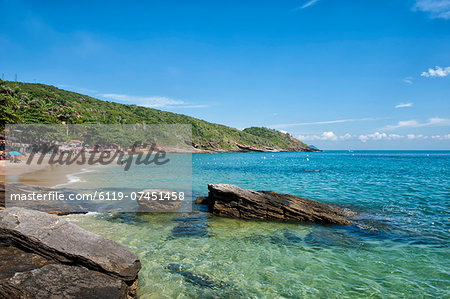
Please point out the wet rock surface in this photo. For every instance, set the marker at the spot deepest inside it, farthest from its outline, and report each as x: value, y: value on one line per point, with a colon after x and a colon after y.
x: 232, y: 201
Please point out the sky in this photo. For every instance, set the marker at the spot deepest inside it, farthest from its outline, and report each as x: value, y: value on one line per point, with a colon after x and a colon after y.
x: 336, y: 74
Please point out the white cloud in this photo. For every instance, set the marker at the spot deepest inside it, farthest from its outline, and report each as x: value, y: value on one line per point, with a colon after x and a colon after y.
x: 151, y: 102
x: 383, y: 136
x: 395, y: 136
x: 438, y: 72
x: 379, y: 136
x: 347, y: 136
x: 283, y: 131
x: 374, y: 136
x: 413, y: 136
x: 436, y: 8
x: 404, y: 105
x: 325, y: 136
x: 437, y: 121
x: 329, y: 136
x: 443, y: 137
x: 321, y: 122
x: 408, y: 80
x: 307, y: 4
x: 434, y: 121
x: 407, y: 123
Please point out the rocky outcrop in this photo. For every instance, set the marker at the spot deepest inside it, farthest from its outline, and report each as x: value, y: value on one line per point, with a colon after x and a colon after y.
x: 49, y: 256
x: 158, y: 200
x: 232, y: 201
x: 250, y: 148
x: 57, y: 207
x: 28, y: 275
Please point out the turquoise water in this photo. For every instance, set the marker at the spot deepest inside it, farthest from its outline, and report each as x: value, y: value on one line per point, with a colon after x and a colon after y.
x: 403, y: 196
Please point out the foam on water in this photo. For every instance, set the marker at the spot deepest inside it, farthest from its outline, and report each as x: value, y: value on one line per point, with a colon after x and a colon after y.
x: 73, y: 178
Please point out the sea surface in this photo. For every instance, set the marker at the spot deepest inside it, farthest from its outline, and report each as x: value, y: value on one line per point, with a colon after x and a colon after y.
x: 401, y: 249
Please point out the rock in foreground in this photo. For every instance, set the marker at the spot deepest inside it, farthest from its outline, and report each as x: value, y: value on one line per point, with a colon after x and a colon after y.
x: 74, y: 262
x: 232, y: 201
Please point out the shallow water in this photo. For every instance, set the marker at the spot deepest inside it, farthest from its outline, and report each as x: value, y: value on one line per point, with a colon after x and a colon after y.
x: 403, y: 196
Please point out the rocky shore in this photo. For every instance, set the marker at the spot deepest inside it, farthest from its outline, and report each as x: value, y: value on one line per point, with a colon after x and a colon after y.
x: 46, y: 256
x: 231, y: 201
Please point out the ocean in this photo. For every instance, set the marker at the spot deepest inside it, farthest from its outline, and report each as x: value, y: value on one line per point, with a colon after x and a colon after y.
x: 401, y: 249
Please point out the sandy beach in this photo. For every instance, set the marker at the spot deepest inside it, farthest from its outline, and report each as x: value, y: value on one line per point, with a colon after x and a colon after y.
x: 37, y: 174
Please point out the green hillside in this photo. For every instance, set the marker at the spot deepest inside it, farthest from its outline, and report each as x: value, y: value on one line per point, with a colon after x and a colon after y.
x: 38, y: 103
x: 279, y: 139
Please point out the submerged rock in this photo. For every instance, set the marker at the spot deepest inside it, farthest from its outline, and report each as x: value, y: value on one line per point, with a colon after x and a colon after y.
x: 191, y: 225
x: 286, y: 238
x: 44, y: 255
x: 220, y: 289
x: 232, y: 201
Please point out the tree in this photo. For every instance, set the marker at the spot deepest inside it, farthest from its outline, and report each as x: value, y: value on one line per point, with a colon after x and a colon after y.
x: 8, y: 107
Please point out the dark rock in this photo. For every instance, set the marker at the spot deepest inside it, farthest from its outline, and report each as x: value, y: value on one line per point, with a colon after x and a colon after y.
x: 63, y: 281
x: 45, y: 256
x: 15, y: 260
x: 11, y: 291
x: 57, y: 239
x: 201, y: 200
x: 159, y: 200
x: 232, y: 201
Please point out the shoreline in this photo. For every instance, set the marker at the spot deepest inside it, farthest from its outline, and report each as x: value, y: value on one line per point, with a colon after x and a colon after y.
x: 54, y: 176
x: 40, y: 175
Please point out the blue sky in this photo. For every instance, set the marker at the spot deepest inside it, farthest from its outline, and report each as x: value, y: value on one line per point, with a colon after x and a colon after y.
x: 336, y: 74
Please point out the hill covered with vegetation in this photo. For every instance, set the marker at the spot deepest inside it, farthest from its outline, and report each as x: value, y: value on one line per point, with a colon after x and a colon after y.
x: 279, y: 139
x: 30, y: 103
